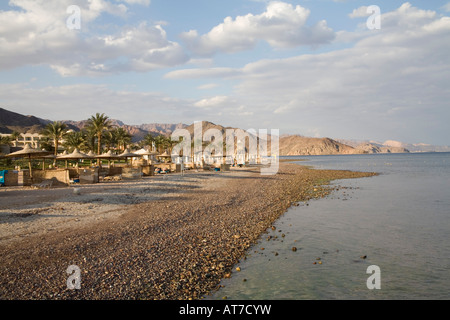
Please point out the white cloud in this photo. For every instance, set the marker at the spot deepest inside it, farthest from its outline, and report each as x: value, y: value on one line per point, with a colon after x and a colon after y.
x: 196, y: 73
x: 391, y: 84
x: 281, y: 25
x: 208, y: 86
x: 359, y: 12
x: 37, y: 34
x: 217, y: 101
x: 140, y: 2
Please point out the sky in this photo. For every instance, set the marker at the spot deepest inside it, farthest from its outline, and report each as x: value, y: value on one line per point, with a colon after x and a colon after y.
x: 345, y: 69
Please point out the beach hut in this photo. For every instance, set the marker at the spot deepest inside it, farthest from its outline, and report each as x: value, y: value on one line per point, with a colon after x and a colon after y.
x: 28, y: 152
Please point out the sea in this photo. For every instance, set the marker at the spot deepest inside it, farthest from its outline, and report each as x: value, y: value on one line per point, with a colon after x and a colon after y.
x: 376, y: 238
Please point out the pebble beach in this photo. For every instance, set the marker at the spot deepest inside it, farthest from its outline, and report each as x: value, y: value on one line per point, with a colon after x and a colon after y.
x: 167, y: 237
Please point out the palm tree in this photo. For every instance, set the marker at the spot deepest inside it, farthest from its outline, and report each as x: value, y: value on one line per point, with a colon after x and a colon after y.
x: 89, y: 138
x: 6, y: 140
x: 98, y: 124
x: 56, y: 132
x: 147, y: 141
x: 109, y: 139
x: 161, y: 143
x: 74, y: 140
x: 121, y: 138
x: 47, y: 144
x: 14, y: 137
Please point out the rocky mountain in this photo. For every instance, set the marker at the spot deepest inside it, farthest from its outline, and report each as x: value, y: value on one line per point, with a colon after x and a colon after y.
x: 161, y: 128
x: 206, y: 125
x: 294, y: 145
x: 12, y: 121
x: 375, y: 148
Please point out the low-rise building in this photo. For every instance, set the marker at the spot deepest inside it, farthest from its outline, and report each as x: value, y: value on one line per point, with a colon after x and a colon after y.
x: 33, y: 139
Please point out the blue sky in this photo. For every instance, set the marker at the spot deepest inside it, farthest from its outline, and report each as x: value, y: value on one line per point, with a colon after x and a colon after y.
x: 303, y: 67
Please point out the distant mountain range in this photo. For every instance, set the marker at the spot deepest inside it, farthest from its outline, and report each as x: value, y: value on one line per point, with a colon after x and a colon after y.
x: 289, y: 144
x: 138, y: 132
x: 392, y: 146
x: 12, y: 121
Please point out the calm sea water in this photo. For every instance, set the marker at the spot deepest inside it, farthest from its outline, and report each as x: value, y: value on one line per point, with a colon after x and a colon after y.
x: 399, y: 220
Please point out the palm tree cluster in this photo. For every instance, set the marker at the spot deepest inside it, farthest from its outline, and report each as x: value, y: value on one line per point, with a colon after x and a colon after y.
x: 8, y: 140
x: 98, y: 135
x: 161, y: 142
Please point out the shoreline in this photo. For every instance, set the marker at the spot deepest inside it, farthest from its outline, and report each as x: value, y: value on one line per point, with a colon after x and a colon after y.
x: 174, y: 238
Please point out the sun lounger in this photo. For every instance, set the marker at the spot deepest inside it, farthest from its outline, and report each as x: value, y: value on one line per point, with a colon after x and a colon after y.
x: 44, y: 184
x: 113, y: 178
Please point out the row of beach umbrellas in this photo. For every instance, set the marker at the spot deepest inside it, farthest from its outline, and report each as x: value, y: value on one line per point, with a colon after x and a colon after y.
x: 29, y: 152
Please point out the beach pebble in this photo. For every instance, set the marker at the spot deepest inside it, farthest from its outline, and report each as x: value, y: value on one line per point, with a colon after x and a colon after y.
x: 176, y: 250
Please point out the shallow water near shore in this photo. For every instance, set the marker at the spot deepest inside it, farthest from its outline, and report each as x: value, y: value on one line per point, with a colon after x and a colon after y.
x: 398, y: 221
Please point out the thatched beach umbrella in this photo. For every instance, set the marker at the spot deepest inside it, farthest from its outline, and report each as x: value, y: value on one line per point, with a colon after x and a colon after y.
x: 28, y: 152
x: 108, y: 156
x: 75, y: 155
x: 127, y: 154
x: 144, y: 152
x: 50, y: 156
x: 165, y: 155
x: 92, y: 155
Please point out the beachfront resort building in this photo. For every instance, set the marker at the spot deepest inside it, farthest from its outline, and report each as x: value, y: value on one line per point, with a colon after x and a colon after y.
x: 33, y: 139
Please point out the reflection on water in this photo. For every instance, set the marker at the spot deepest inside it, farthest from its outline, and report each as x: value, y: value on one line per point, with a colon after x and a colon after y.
x: 399, y: 221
